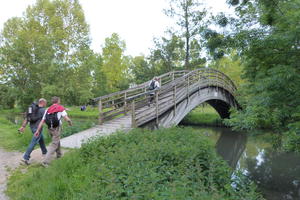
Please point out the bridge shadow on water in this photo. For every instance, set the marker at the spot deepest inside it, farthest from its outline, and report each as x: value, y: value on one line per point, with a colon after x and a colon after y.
x: 277, y: 174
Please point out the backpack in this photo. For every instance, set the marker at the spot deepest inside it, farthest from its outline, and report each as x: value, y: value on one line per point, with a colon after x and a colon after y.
x: 152, y: 85
x: 32, y: 113
x: 52, y: 120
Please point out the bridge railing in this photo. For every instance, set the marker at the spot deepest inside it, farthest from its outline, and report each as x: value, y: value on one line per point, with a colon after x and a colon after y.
x: 171, y: 94
x: 117, y: 104
x: 175, y: 87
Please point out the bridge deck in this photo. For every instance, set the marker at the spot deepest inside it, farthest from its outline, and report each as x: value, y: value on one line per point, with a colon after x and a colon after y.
x: 76, y: 140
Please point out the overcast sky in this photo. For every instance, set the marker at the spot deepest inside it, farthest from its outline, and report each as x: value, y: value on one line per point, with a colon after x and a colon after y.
x: 136, y: 21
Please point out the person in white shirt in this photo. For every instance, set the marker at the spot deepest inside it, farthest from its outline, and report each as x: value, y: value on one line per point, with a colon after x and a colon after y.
x: 153, y: 86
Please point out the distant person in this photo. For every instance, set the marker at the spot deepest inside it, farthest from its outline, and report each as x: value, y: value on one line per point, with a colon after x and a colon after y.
x: 83, y: 108
x: 52, y: 118
x: 34, y: 115
x: 153, y: 85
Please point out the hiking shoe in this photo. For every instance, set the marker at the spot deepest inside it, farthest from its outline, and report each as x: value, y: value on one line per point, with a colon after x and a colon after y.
x: 25, y: 162
x: 45, y: 164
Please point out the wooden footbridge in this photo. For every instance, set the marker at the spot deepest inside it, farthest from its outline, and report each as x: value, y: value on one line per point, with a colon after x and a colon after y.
x: 180, y: 92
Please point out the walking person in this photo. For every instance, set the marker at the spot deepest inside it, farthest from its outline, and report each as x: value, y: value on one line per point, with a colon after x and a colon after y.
x: 52, y: 118
x: 34, y: 116
x: 153, y: 85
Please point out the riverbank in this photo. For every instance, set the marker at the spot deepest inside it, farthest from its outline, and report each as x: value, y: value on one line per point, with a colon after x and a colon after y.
x: 203, y: 116
x: 171, y: 163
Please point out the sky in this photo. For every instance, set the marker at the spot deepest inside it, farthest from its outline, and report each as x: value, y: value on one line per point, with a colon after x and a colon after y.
x: 136, y: 21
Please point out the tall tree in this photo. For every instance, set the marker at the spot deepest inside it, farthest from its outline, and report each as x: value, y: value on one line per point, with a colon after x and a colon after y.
x: 115, y: 63
x: 189, y: 17
x: 46, y: 49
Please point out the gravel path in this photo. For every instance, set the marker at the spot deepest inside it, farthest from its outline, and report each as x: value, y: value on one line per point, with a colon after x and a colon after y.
x: 8, y: 160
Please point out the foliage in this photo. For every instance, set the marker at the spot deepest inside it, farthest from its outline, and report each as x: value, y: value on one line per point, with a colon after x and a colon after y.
x: 11, y: 139
x: 189, y: 18
x: 164, y: 164
x: 46, y: 52
x: 115, y: 64
x: 266, y: 36
x: 231, y: 66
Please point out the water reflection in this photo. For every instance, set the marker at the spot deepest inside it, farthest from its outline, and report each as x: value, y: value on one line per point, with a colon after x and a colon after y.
x: 277, y: 174
x: 230, y: 146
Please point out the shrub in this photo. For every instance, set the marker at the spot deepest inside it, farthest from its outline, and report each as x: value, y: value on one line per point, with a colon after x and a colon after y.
x: 165, y: 164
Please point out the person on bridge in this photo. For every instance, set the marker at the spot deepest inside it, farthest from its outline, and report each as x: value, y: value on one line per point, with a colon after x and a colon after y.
x: 34, y: 116
x: 52, y: 118
x: 153, y: 85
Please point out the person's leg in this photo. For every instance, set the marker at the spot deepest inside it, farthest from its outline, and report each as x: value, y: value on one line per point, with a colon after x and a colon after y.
x: 31, y: 146
x: 55, y: 135
x: 42, y: 144
x: 58, y: 150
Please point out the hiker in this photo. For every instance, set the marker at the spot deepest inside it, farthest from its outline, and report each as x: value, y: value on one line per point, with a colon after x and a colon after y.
x: 153, y: 85
x: 83, y: 108
x: 52, y: 118
x: 34, y: 116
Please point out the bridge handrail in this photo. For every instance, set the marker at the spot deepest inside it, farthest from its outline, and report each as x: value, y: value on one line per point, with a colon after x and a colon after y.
x: 142, y: 85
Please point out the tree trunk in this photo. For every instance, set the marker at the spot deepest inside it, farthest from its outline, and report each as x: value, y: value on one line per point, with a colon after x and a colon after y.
x: 187, y: 37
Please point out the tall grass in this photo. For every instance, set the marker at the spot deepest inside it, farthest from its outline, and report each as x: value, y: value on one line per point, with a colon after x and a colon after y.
x: 203, y: 116
x: 171, y: 163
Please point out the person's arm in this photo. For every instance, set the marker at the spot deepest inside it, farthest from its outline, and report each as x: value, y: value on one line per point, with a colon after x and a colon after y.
x: 37, y: 132
x: 23, y: 126
x: 68, y: 120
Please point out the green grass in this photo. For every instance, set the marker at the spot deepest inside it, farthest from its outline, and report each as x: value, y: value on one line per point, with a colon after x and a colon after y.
x: 11, y: 139
x: 203, y: 116
x: 90, y: 112
x: 171, y: 163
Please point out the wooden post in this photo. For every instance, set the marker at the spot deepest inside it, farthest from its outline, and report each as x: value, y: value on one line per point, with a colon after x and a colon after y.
x: 125, y: 103
x: 174, y: 99
x: 173, y: 75
x: 133, y: 121
x: 156, y: 106
x: 100, y: 108
x: 188, y: 89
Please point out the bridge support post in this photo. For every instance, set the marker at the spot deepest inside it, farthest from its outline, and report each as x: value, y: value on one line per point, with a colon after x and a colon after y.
x: 125, y: 103
x: 174, y: 100
x: 100, y: 108
x: 133, y: 121
x: 156, y: 106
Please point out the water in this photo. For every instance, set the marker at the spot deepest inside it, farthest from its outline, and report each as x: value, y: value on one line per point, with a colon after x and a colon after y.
x: 276, y: 174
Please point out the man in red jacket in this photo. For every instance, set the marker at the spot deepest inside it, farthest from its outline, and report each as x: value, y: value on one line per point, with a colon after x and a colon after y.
x: 54, y: 131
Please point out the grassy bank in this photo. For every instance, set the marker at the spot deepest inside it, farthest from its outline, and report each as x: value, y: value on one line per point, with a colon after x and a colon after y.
x: 11, y: 139
x: 90, y: 112
x: 203, y: 116
x: 165, y: 164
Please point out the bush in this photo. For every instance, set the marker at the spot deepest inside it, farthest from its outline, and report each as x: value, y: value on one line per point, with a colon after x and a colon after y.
x: 165, y: 164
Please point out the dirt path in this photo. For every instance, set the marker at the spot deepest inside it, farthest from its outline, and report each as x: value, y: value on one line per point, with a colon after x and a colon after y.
x: 8, y: 160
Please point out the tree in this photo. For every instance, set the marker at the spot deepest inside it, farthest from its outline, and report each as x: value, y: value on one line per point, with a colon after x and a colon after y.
x: 267, y: 38
x: 115, y: 63
x: 43, y: 52
x: 189, y: 17
x: 167, y: 55
x: 141, y: 69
